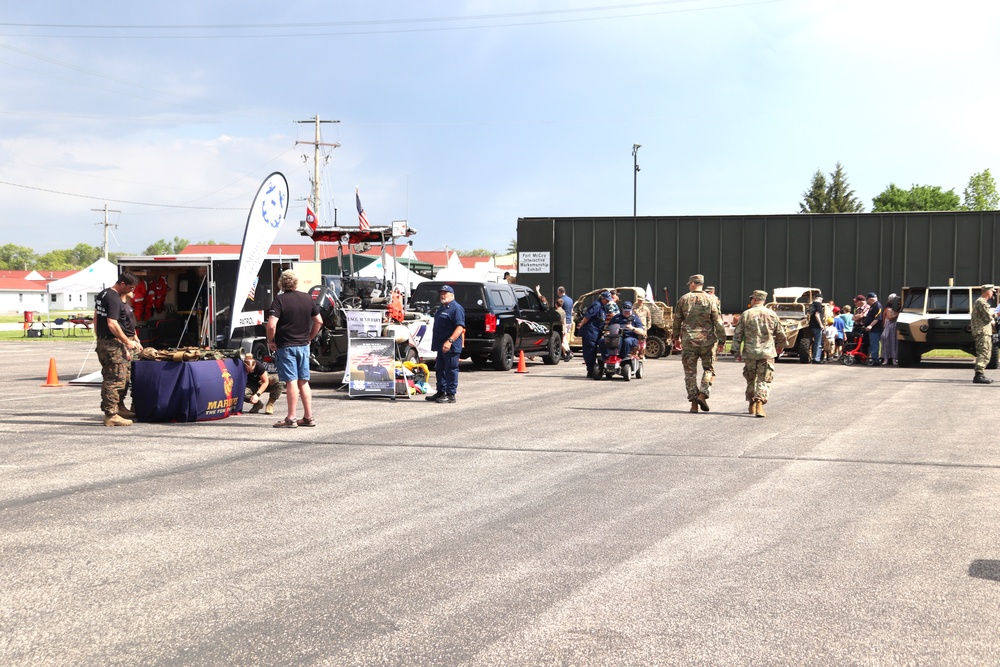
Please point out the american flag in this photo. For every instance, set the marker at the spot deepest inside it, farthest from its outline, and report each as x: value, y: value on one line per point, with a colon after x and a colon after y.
x: 253, y: 288
x: 362, y: 218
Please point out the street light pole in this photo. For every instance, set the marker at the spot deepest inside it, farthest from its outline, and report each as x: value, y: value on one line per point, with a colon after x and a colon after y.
x: 635, y: 172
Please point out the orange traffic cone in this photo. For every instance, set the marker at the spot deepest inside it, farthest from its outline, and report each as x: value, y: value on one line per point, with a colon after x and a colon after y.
x: 521, y: 366
x: 53, y: 379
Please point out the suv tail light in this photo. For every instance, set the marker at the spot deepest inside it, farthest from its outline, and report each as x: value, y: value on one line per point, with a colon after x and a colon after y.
x: 491, y: 323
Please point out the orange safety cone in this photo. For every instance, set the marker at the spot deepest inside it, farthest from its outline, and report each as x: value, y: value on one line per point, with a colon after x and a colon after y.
x: 521, y: 366
x: 53, y: 379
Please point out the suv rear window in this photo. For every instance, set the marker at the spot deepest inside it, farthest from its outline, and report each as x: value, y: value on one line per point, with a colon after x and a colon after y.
x: 501, y: 297
x: 468, y: 295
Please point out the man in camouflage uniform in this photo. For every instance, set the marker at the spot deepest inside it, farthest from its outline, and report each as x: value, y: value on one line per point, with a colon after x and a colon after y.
x: 982, y: 330
x: 641, y: 310
x: 697, y: 315
x: 762, y: 338
x: 114, y: 324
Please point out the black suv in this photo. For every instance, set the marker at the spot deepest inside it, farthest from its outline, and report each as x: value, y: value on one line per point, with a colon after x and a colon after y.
x: 500, y: 321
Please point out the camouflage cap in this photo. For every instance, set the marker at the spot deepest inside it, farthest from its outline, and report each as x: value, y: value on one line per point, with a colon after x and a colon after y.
x: 640, y: 294
x: 759, y: 295
x: 989, y: 287
x: 697, y: 279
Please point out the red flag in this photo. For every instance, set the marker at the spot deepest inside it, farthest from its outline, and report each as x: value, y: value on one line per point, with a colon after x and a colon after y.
x: 362, y: 218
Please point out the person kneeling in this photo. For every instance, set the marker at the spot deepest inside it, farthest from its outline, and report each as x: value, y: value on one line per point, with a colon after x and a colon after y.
x: 259, y: 381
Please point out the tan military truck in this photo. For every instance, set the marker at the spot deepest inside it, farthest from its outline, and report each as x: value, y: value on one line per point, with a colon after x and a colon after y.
x: 792, y: 305
x: 935, y: 318
x: 658, y: 342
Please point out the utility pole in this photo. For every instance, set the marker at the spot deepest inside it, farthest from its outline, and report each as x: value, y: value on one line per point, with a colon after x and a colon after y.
x: 106, y: 225
x: 316, y: 143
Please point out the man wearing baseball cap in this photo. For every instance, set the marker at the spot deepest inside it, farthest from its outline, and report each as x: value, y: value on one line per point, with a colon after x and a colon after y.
x: 698, y: 325
x: 449, y: 331
x: 590, y: 329
x: 758, y: 339
x: 982, y: 330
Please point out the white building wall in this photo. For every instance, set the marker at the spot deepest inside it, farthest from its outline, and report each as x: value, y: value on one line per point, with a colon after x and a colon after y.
x: 20, y: 301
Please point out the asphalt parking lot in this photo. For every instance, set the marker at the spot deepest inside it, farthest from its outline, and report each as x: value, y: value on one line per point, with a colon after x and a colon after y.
x: 544, y: 519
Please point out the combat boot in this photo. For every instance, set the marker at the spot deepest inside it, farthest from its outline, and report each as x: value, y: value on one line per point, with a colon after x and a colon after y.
x: 256, y: 407
x: 760, y: 409
x: 125, y: 412
x: 269, y: 408
x: 694, y: 406
x: 702, y: 401
x: 117, y: 420
x: 753, y: 407
x: 981, y: 378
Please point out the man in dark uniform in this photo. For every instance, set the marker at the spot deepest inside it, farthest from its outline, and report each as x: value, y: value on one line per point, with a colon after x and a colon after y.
x: 114, y: 324
x: 590, y: 329
x: 631, y: 329
x: 449, y: 329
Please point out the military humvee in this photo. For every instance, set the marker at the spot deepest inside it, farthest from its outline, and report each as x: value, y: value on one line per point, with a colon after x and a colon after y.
x: 933, y: 318
x: 658, y: 342
x: 792, y: 306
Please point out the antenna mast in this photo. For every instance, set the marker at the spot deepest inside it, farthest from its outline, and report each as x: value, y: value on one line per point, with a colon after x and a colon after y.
x: 315, y: 180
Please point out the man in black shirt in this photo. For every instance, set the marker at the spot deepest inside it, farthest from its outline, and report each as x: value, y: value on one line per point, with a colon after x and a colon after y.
x: 259, y: 381
x: 293, y: 322
x: 114, y: 324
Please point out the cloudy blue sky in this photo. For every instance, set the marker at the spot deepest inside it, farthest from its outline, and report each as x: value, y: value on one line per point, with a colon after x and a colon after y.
x: 463, y: 116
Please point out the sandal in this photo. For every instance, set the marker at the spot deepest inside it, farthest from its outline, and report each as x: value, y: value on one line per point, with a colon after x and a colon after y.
x: 285, y: 423
x: 306, y: 422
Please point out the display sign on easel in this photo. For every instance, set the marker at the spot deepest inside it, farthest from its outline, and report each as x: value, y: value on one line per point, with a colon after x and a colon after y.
x: 371, y: 367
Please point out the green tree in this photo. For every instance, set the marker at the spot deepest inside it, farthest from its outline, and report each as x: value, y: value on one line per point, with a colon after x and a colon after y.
x: 512, y: 247
x: 17, y: 257
x: 815, y: 198
x: 56, y: 260
x: 475, y: 252
x: 84, y: 254
x: 981, y: 193
x: 840, y: 196
x: 833, y: 196
x: 164, y: 247
x: 917, y: 198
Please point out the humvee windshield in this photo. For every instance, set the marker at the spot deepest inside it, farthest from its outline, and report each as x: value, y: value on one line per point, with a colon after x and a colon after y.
x: 960, y: 301
x: 915, y: 300
x: 937, y: 301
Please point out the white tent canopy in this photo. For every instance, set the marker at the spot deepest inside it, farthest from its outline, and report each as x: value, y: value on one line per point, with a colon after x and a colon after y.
x: 384, y: 266
x: 78, y: 290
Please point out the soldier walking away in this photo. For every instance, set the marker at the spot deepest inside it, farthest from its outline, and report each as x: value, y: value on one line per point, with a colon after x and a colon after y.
x: 697, y: 315
x: 982, y: 329
x: 762, y: 338
x: 114, y: 324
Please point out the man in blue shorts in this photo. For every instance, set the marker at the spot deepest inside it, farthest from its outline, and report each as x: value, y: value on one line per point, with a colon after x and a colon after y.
x: 293, y: 323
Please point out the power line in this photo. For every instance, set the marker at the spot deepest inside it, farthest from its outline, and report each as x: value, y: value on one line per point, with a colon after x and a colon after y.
x: 268, y: 29
x: 121, y: 201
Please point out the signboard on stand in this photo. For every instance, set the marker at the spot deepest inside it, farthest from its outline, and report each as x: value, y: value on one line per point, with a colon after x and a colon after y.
x: 371, y: 367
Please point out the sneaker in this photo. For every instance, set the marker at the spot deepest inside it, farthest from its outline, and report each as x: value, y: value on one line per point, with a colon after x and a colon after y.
x: 126, y: 413
x: 445, y: 398
x: 117, y: 420
x: 435, y: 397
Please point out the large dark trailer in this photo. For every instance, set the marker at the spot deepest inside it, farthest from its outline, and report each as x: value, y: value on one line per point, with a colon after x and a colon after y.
x: 841, y: 254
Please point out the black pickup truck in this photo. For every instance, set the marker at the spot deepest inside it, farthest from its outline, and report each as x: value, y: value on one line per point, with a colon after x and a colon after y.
x: 501, y: 320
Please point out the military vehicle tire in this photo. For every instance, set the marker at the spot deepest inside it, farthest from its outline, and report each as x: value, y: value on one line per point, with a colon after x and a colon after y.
x: 503, y: 355
x: 804, y: 347
x: 994, y: 361
x: 555, y: 350
x: 907, y: 353
x: 260, y: 351
x: 656, y: 347
x: 626, y: 372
